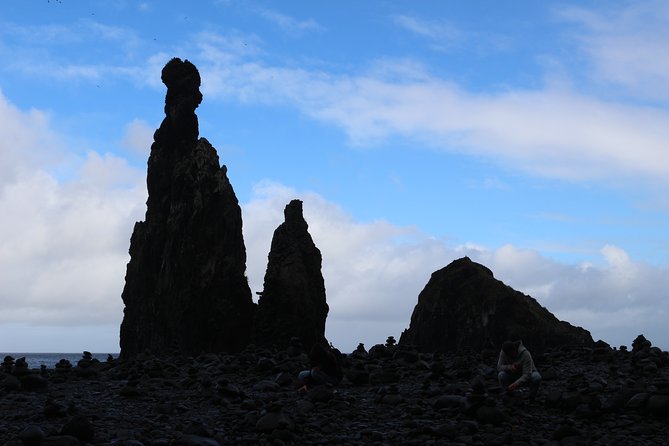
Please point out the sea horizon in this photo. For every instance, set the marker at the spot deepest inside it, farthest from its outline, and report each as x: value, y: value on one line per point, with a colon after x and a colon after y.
x: 36, y: 359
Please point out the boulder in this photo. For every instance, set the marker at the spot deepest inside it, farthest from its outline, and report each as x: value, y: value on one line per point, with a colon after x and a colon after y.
x: 292, y: 303
x: 463, y: 305
x: 185, y: 285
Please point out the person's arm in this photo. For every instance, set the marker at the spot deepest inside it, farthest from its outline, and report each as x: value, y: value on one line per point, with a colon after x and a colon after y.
x: 504, y: 365
x: 526, y: 369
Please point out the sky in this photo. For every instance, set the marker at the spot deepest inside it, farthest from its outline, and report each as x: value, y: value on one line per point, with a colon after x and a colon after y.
x: 530, y: 136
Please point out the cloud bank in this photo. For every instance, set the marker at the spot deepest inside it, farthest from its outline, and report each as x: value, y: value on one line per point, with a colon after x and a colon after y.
x: 374, y: 272
x: 553, y: 132
x: 65, y: 241
x: 63, y: 258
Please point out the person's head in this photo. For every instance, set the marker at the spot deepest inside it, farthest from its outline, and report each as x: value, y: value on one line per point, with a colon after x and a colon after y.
x: 510, y: 348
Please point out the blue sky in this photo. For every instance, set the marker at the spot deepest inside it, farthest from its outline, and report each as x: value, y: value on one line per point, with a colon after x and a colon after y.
x: 531, y: 136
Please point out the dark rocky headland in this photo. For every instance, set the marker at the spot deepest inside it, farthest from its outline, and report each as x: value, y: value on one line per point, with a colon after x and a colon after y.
x: 202, y: 365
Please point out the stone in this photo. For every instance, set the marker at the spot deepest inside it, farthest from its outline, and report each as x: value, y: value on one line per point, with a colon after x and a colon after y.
x: 60, y: 440
x: 79, y: 427
x: 638, y: 401
x: 31, y: 436
x: 212, y: 397
x: 63, y: 366
x: 54, y: 409
x: 379, y: 351
x: 185, y: 285
x: 266, y: 386
x: 266, y: 364
x: 640, y: 343
x: 360, y: 352
x: 658, y: 405
x: 469, y: 426
x: 21, y: 367
x: 8, y: 364
x: 196, y: 440
x: 463, y: 305
x: 449, y: 402
x: 357, y: 376
x: 391, y: 399
x: 445, y: 430
x: 320, y: 394
x: 571, y: 400
x: 274, y: 420
x: 33, y: 382
x: 10, y: 383
x: 490, y: 415
x: 384, y: 376
x: 130, y: 391
x: 292, y: 303
x: 284, y: 379
x: 564, y: 431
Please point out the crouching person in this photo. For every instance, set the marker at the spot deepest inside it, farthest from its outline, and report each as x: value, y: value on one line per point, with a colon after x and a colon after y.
x: 325, y: 368
x: 516, y: 368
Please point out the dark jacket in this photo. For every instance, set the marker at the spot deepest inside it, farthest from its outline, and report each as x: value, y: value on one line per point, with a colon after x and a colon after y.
x: 324, y: 358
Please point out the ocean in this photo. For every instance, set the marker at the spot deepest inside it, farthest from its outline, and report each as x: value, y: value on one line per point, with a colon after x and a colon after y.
x: 36, y: 360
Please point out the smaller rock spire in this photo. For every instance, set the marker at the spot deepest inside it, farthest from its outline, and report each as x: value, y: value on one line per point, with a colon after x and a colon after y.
x: 293, y: 300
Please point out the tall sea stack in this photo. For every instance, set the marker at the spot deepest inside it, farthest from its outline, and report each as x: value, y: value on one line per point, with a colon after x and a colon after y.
x: 292, y: 303
x: 463, y: 305
x: 186, y: 288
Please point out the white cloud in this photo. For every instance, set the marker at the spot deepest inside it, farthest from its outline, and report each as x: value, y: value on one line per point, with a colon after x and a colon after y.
x: 64, y: 262
x: 441, y: 35
x: 26, y: 140
x: 79, y: 32
x: 138, y: 137
x: 64, y: 245
x: 554, y: 132
x: 627, y: 45
x: 372, y: 275
x: 616, y: 299
x: 290, y: 24
x: 35, y: 51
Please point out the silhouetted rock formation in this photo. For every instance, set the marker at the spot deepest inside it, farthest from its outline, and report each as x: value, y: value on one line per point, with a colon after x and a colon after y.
x: 185, y: 284
x: 463, y: 305
x: 293, y: 300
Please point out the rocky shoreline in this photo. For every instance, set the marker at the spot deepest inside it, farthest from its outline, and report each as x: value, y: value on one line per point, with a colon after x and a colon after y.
x: 390, y: 395
x: 186, y: 292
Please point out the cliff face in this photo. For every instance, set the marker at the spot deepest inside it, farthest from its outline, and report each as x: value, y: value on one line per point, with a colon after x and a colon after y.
x: 293, y: 299
x: 463, y: 305
x: 185, y: 283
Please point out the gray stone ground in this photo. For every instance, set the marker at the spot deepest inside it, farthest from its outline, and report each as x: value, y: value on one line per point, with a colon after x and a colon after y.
x: 390, y: 396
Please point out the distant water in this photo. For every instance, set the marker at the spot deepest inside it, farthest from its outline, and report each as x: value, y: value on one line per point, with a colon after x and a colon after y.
x: 36, y: 360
